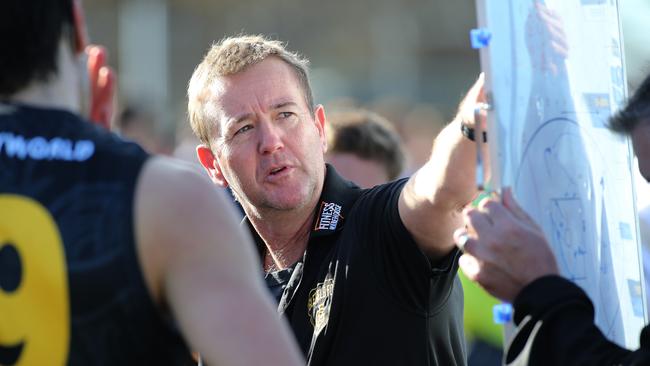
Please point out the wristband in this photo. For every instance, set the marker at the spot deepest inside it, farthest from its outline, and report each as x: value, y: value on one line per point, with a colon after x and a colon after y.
x: 469, y: 132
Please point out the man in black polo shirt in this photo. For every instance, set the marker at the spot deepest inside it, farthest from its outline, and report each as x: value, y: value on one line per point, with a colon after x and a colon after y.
x: 365, y: 277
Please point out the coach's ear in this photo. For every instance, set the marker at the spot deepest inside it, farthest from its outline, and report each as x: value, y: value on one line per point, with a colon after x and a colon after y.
x: 211, y: 165
x: 321, y: 122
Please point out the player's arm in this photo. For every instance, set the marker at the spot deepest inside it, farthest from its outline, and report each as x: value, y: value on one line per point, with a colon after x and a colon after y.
x: 200, y: 263
x: 431, y: 203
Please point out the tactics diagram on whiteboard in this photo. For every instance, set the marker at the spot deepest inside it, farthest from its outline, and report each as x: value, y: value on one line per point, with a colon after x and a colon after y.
x: 555, y: 75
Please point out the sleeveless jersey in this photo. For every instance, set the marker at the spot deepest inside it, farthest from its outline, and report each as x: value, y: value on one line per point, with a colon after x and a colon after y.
x: 71, y: 289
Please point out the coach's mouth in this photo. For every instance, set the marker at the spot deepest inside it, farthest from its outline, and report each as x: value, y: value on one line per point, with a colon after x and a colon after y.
x: 277, y: 173
x: 9, y: 355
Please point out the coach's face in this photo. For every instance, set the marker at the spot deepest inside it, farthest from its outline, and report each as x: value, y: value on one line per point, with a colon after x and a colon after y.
x: 641, y: 144
x: 269, y: 148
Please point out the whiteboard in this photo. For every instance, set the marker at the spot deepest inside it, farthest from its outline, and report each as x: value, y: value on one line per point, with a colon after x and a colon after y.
x: 554, y: 75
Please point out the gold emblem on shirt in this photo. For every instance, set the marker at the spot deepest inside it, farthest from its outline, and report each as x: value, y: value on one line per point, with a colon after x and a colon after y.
x: 319, y: 304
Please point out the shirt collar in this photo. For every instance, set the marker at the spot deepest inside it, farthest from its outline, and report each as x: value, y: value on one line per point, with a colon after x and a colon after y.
x: 336, y: 200
x: 335, y: 203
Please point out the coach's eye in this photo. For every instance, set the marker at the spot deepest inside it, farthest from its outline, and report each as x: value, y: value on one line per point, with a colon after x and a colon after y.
x: 243, y: 129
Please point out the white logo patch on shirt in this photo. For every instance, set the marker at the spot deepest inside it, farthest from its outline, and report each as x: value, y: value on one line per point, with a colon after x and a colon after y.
x: 329, y: 216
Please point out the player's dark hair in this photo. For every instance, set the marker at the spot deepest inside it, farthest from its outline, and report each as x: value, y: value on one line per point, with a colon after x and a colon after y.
x: 636, y: 111
x: 30, y: 31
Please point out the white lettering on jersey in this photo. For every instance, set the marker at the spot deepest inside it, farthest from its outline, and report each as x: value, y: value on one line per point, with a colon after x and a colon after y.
x: 39, y: 148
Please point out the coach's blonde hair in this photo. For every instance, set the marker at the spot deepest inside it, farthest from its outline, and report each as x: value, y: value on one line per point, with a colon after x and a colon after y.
x: 231, y: 56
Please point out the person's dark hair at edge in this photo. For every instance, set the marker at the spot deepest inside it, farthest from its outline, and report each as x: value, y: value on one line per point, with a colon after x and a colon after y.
x: 30, y: 31
x: 635, y: 112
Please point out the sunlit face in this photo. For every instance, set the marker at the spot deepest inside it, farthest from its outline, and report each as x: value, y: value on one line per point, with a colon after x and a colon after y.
x: 269, y: 147
x: 641, y: 144
x: 366, y: 173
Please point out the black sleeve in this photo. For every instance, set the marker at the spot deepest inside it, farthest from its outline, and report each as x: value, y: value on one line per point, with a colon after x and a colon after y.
x: 555, y: 326
x: 399, y: 264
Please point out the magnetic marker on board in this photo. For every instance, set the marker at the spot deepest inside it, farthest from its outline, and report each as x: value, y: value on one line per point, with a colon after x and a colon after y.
x: 502, y: 313
x: 480, y: 37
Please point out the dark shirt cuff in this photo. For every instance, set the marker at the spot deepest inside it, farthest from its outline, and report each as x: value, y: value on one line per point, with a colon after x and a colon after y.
x: 544, y: 294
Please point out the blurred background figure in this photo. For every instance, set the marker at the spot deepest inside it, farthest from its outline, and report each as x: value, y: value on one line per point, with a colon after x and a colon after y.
x: 364, y: 147
x: 139, y: 125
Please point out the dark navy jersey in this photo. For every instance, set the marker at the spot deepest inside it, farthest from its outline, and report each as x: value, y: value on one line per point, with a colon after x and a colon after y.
x: 71, y: 289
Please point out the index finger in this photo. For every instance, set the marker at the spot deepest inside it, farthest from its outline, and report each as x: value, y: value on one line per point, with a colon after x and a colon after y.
x: 478, y: 222
x: 96, y: 60
x: 512, y: 205
x: 475, y: 93
x: 495, y: 211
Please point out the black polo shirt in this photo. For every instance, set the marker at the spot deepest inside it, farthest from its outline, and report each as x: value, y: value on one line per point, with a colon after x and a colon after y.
x: 364, y: 293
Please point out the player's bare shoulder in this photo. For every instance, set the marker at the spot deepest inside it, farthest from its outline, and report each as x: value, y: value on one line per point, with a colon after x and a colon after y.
x: 174, y: 206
